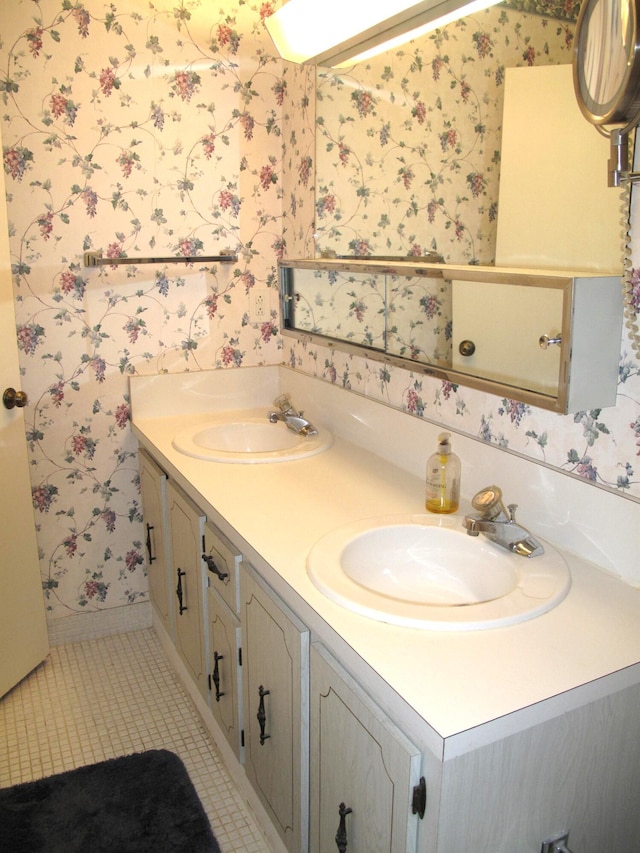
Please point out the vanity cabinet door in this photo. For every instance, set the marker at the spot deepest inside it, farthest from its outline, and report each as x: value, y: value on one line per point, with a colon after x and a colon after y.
x: 153, y: 493
x: 187, y: 528
x: 363, y: 769
x: 224, y: 666
x: 275, y: 681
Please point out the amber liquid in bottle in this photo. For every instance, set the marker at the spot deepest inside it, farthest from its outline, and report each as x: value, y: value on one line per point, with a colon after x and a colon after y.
x: 443, y: 479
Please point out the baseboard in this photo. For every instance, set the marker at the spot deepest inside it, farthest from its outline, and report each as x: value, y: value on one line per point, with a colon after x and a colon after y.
x: 100, y: 623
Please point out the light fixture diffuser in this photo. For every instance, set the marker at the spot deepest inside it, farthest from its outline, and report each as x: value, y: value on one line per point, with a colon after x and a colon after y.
x: 334, y: 32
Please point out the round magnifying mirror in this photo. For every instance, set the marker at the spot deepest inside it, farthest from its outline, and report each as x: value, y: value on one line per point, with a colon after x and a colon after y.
x: 606, y: 66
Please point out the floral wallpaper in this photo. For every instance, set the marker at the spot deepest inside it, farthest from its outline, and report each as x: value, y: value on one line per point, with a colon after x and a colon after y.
x: 298, y: 173
x: 168, y: 128
x: 408, y: 316
x: 408, y: 154
x: 141, y: 129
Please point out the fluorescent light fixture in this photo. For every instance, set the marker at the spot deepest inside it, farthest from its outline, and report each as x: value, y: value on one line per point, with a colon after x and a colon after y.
x: 337, y: 32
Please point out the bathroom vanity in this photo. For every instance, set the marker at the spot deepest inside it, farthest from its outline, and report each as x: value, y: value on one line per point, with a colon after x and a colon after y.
x: 341, y: 729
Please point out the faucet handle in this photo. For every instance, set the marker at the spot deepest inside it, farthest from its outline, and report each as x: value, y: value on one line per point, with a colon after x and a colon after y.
x: 488, y: 502
x: 283, y: 402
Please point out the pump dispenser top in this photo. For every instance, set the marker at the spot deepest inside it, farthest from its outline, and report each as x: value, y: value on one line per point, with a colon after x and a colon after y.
x: 443, y: 478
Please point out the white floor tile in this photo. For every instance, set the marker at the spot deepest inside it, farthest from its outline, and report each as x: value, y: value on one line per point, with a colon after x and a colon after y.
x: 109, y: 697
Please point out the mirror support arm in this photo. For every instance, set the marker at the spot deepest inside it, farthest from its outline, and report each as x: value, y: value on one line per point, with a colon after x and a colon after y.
x: 619, y: 173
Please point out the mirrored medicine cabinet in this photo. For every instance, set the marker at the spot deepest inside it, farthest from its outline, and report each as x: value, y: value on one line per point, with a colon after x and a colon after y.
x: 543, y: 337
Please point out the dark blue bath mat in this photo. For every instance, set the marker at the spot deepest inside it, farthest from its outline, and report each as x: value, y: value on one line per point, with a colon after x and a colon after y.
x: 141, y: 803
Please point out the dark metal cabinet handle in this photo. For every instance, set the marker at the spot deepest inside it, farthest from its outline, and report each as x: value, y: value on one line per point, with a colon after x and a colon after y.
x: 216, y: 675
x: 179, y: 592
x: 151, y: 557
x: 261, y: 715
x: 211, y: 565
x: 341, y: 834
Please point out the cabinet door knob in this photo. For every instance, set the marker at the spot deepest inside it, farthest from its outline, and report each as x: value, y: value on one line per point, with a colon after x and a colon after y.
x: 466, y: 348
x: 262, y: 714
x: 546, y: 341
x: 341, y: 835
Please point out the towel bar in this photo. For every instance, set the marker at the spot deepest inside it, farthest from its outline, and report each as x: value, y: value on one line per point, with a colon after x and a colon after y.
x: 96, y: 259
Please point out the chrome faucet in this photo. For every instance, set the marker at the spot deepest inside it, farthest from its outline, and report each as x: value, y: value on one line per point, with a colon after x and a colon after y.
x: 499, y: 524
x: 290, y: 417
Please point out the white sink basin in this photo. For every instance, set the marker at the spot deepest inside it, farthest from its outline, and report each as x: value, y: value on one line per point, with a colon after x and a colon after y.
x: 248, y: 437
x: 424, y: 571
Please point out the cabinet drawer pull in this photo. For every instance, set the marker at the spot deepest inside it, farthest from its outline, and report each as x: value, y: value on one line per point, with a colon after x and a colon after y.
x: 341, y: 834
x: 182, y: 607
x: 149, y: 529
x: 211, y: 565
x: 216, y: 675
x: 261, y: 715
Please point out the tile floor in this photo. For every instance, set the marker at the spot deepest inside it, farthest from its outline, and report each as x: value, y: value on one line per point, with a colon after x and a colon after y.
x: 104, y: 698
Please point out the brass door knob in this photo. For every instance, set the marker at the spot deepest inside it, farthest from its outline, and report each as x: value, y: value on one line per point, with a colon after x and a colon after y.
x: 12, y: 398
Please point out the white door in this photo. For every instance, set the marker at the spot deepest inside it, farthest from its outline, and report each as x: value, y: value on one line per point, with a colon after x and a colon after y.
x: 23, y: 629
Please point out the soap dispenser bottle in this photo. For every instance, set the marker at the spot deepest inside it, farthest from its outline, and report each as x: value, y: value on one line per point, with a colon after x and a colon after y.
x: 443, y: 478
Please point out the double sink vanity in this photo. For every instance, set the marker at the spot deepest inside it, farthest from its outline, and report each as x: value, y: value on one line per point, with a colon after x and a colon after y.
x: 376, y: 679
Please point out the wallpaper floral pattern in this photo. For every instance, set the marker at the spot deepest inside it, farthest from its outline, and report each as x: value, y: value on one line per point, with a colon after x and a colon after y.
x: 408, y: 155
x: 142, y: 130
x: 408, y: 316
x: 167, y: 127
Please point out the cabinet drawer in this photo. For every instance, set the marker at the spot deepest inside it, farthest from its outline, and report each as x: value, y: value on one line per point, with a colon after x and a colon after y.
x: 223, y: 565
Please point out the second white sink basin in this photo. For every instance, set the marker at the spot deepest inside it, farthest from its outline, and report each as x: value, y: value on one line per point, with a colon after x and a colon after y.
x: 248, y: 437
x: 428, y: 564
x: 425, y: 571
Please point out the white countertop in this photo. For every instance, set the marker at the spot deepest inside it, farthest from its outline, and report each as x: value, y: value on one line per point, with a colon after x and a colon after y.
x: 455, y: 681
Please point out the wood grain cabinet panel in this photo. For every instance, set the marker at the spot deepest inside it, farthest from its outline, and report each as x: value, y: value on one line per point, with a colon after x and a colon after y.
x: 187, y: 528
x: 359, y: 760
x: 224, y: 666
x: 153, y: 489
x: 275, y: 678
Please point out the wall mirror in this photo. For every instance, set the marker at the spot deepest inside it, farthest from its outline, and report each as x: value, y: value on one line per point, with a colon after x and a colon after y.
x: 409, y: 164
x: 408, y: 144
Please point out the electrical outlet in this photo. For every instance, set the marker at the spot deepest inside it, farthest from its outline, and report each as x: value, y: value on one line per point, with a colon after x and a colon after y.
x: 259, y: 307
